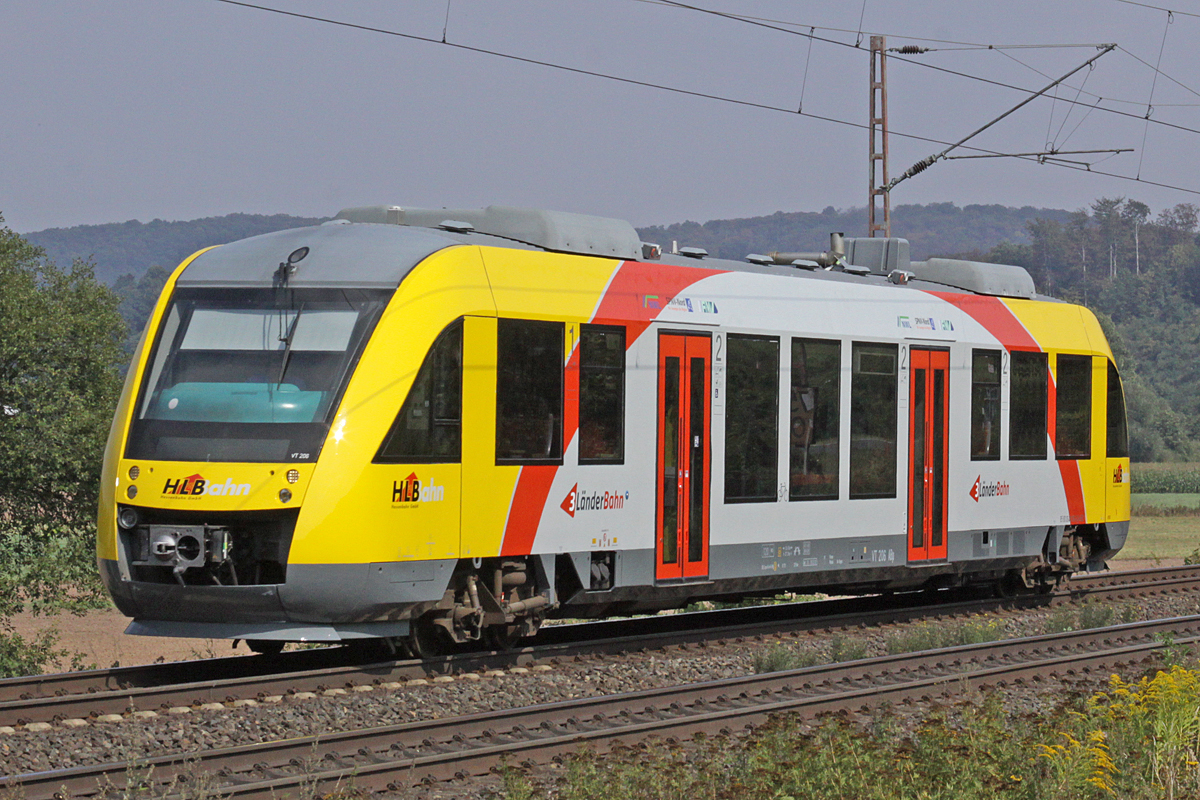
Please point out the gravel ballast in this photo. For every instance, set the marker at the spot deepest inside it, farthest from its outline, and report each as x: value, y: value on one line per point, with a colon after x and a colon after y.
x: 126, y: 741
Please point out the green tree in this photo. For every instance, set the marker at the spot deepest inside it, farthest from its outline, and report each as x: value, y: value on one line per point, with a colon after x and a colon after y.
x: 1142, y: 277
x: 60, y: 364
x: 138, y: 297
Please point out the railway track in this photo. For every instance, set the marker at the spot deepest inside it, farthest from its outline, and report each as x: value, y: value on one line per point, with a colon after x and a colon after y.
x: 83, y: 697
x: 400, y: 756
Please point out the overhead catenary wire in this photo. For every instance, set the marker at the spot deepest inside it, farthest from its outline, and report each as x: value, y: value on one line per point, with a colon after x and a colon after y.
x: 671, y: 89
x: 1098, y: 97
x: 581, y: 71
x: 1159, y: 8
x: 1045, y: 155
x: 1053, y: 143
x: 1181, y: 85
x: 1077, y: 124
x: 929, y: 161
x: 1153, y: 83
x: 861, y: 16
x: 966, y: 45
x: 804, y: 81
x: 935, y: 67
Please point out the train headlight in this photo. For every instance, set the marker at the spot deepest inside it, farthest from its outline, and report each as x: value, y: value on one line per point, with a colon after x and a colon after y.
x: 134, y: 472
x: 284, y: 495
x: 128, y: 518
x: 293, y: 475
x: 131, y: 491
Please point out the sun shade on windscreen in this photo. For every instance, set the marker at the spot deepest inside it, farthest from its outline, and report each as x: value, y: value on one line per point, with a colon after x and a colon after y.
x: 256, y: 365
x: 253, y: 329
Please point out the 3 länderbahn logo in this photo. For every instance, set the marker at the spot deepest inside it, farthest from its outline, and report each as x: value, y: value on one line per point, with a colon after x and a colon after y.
x: 592, y: 501
x: 982, y: 489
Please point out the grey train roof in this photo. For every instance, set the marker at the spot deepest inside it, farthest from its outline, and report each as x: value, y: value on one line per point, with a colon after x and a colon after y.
x: 377, y: 246
x: 559, y: 231
x: 363, y: 256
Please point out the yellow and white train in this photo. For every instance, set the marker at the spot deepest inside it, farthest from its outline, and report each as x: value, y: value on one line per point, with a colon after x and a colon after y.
x: 435, y: 426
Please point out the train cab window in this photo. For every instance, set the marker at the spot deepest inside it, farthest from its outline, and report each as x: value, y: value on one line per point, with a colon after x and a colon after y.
x: 429, y: 426
x: 1027, y: 406
x: 1073, y: 407
x: 751, y: 419
x: 873, y: 409
x: 250, y: 374
x: 1118, y: 435
x: 816, y: 373
x: 529, y: 392
x: 601, y: 395
x: 985, y: 405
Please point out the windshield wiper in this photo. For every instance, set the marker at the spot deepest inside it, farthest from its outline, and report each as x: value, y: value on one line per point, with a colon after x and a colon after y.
x: 287, y: 352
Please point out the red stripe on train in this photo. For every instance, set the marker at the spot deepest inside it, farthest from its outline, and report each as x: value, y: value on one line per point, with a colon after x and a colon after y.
x: 998, y: 319
x: 635, y: 297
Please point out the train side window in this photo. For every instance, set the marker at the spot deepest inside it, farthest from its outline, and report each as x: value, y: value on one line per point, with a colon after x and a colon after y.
x: 985, y: 405
x: 873, y: 409
x: 601, y: 394
x: 429, y: 425
x: 529, y: 392
x: 816, y: 374
x: 751, y: 418
x: 1118, y: 434
x: 1073, y: 407
x: 1027, y: 406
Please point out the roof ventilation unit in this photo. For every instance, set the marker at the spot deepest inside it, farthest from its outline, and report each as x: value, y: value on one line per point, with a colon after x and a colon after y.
x: 878, y: 255
x: 998, y: 280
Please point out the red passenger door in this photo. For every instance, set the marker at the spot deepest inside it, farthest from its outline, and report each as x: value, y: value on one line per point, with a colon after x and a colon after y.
x: 929, y: 404
x: 684, y: 386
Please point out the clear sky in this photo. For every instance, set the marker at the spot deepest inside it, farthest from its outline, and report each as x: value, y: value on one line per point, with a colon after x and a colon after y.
x: 177, y: 109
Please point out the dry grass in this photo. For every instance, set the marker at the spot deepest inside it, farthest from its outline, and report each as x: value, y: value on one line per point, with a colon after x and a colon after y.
x: 1161, y: 538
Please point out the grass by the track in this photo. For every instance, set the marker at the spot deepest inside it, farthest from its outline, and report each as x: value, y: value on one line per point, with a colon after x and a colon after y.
x: 1161, y: 537
x: 1166, y: 500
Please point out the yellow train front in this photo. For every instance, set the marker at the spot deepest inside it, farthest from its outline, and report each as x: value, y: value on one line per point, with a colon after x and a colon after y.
x: 436, y: 426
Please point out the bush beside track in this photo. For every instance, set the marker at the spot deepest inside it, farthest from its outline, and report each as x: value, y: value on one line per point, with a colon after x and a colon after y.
x: 1135, y: 739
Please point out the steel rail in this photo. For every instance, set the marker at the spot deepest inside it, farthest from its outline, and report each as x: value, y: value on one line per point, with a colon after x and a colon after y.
x: 136, y: 689
x: 441, y: 749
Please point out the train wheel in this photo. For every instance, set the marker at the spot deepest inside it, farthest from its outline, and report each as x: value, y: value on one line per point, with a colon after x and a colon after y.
x: 265, y: 647
x: 424, y: 640
x: 1010, y: 586
x: 502, y: 637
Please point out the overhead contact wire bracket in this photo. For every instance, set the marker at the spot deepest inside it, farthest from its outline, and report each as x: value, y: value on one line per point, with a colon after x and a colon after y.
x: 929, y: 161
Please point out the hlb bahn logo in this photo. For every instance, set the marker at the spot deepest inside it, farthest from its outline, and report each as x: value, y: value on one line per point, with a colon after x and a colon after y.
x: 196, y: 485
x: 595, y: 501
x: 988, y: 489
x: 411, y: 491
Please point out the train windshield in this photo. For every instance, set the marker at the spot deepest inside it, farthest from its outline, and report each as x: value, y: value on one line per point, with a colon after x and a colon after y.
x: 249, y: 375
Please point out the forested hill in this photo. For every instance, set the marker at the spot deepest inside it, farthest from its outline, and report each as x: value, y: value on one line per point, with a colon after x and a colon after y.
x: 130, y: 248
x: 937, y: 229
